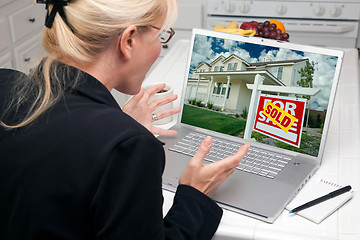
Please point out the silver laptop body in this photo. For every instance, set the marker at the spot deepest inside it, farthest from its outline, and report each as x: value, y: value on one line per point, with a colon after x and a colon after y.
x: 224, y: 67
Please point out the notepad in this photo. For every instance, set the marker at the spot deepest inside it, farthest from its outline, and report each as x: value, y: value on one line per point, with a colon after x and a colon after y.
x: 319, y: 212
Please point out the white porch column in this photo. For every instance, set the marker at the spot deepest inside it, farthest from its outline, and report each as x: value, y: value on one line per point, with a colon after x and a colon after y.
x: 209, y: 92
x: 227, y: 90
x: 197, y: 86
x: 255, y: 95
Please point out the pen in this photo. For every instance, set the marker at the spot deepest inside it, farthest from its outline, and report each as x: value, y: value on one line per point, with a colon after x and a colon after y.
x: 322, y: 199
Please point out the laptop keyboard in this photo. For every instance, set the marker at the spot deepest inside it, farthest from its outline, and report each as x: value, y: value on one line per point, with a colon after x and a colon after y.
x: 256, y: 161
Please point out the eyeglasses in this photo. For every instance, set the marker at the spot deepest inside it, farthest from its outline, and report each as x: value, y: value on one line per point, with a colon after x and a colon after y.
x: 165, y: 36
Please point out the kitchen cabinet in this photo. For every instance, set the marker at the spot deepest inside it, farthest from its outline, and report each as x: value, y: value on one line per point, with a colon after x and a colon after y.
x: 4, y: 2
x: 29, y: 53
x: 5, y: 60
x: 21, y: 25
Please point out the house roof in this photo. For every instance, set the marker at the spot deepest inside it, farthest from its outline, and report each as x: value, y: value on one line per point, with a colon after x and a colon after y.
x: 278, y: 62
x: 203, y: 63
x: 257, y: 64
x: 248, y: 76
x: 221, y: 57
x: 237, y: 57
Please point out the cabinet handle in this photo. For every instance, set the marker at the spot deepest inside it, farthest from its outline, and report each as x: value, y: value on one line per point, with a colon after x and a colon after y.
x: 32, y: 20
x: 27, y: 59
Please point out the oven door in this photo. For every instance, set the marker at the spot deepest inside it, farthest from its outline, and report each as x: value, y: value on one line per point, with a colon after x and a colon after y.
x: 325, y: 33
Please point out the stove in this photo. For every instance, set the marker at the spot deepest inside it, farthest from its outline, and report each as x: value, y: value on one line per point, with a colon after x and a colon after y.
x: 327, y: 23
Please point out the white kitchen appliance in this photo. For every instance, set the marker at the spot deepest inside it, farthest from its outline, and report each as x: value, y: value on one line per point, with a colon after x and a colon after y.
x: 330, y: 23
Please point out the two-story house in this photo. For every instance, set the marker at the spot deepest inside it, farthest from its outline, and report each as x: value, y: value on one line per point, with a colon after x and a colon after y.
x: 223, y: 80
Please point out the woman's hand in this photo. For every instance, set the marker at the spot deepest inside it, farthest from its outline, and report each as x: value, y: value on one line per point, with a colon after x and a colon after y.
x: 139, y: 108
x: 206, y: 177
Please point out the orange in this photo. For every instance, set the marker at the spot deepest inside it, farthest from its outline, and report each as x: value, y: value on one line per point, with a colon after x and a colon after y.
x: 279, y: 25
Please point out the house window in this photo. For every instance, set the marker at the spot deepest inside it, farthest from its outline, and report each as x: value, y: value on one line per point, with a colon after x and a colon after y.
x: 217, y: 88
x: 223, y: 90
x: 274, y: 71
x: 219, y: 68
x: 232, y: 66
x: 220, y: 89
x: 280, y: 73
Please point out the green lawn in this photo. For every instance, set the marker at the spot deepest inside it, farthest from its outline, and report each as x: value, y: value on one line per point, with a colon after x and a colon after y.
x: 212, y: 120
x: 309, y: 144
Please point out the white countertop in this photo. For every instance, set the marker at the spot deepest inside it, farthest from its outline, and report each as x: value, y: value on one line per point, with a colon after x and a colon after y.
x: 341, y: 163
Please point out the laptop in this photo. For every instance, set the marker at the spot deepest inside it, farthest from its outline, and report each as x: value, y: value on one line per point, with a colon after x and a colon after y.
x: 277, y: 95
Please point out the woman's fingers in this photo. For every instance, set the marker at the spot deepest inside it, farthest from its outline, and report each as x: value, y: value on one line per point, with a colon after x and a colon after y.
x: 162, y: 101
x: 163, y: 132
x: 135, y: 99
x: 206, y: 177
x: 233, y: 161
x: 164, y: 114
x: 152, y: 91
x: 203, y: 150
x: 224, y: 168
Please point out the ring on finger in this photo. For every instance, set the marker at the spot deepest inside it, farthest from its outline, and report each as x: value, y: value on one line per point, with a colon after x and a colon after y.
x: 154, y: 116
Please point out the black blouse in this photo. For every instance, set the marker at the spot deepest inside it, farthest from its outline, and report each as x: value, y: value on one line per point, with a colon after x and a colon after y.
x: 86, y: 170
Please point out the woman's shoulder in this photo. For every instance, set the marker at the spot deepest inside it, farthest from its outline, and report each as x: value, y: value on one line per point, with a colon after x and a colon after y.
x: 115, y: 121
x: 8, y: 72
x: 91, y: 118
x: 7, y: 77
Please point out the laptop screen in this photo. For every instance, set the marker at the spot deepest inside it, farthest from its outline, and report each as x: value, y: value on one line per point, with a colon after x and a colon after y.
x: 275, y: 93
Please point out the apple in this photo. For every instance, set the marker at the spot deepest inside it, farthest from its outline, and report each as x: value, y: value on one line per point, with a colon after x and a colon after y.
x: 249, y: 25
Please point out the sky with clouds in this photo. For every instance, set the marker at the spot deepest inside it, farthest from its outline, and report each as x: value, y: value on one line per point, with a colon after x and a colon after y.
x: 207, y: 49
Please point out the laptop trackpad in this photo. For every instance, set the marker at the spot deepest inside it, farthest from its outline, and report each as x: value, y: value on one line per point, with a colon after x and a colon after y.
x: 253, y: 194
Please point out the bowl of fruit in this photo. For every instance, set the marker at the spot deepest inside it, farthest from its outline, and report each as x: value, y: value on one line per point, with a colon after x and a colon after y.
x: 272, y: 29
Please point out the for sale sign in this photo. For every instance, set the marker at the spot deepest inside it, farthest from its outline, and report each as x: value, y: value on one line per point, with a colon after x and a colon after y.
x: 281, y: 118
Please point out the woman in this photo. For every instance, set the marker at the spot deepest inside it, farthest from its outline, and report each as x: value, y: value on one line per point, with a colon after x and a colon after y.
x: 73, y: 164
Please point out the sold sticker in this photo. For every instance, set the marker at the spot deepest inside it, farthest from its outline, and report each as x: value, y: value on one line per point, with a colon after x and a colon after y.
x: 281, y: 118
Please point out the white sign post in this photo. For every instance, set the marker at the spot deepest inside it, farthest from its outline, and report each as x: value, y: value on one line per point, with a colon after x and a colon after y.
x: 255, y: 95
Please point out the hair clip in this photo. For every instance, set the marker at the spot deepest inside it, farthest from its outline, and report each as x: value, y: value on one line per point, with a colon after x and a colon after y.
x: 58, y: 7
x: 63, y: 2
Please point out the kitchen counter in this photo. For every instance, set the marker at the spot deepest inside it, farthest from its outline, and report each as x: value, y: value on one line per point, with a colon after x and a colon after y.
x: 341, y: 162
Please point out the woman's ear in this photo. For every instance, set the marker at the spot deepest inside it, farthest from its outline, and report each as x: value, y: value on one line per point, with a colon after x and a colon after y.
x: 127, y: 41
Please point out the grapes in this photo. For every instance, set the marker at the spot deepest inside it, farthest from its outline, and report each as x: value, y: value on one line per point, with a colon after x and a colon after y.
x: 272, y: 34
x: 269, y: 30
x: 273, y: 25
x: 285, y: 36
x: 260, y: 27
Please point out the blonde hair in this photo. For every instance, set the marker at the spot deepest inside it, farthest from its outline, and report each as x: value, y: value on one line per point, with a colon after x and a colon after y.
x: 94, y: 24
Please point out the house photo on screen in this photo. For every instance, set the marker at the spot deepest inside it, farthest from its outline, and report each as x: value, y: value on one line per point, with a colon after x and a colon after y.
x: 272, y: 95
